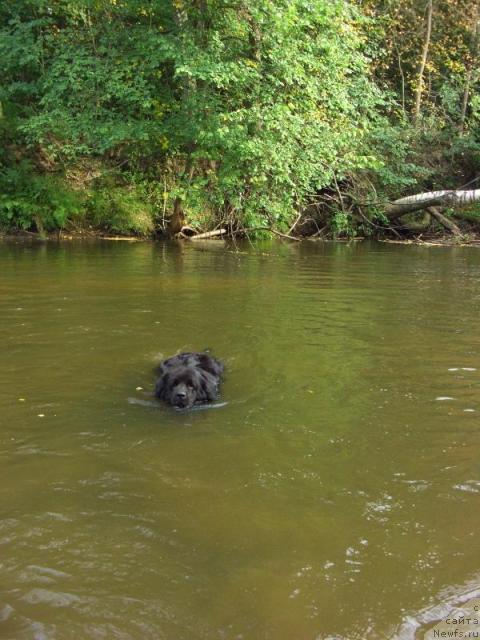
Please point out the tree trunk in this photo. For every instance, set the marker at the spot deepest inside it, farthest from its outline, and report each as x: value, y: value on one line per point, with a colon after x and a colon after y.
x: 470, y: 66
x: 423, y: 62
x: 424, y: 200
x: 402, y: 76
x: 40, y: 227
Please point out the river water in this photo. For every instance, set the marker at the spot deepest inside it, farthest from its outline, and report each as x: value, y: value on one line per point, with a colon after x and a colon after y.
x: 334, y: 496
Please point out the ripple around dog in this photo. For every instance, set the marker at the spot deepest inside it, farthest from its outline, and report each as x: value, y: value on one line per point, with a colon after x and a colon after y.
x: 155, y: 405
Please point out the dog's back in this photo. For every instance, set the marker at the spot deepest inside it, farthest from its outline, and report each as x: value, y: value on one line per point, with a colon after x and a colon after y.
x: 194, y: 359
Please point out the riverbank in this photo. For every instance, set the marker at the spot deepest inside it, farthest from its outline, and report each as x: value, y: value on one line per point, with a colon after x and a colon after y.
x: 434, y: 239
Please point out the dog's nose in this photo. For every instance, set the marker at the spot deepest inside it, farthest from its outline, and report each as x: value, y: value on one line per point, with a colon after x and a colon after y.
x: 181, y: 395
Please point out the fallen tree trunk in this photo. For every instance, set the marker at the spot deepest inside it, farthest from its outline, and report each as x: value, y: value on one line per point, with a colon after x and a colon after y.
x: 444, y: 221
x: 419, y: 201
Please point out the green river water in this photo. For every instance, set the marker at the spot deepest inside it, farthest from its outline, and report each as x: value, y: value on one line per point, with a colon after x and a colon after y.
x: 334, y: 496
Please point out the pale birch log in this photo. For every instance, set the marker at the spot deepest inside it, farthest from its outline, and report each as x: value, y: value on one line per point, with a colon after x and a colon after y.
x: 432, y: 198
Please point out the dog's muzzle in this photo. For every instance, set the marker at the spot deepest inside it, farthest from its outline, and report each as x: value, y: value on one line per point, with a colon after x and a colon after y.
x: 181, y: 400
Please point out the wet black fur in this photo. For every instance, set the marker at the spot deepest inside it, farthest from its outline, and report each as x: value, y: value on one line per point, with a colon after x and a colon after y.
x: 188, y: 379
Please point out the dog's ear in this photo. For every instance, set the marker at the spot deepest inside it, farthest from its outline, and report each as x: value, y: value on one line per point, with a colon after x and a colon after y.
x: 161, y: 386
x: 208, y: 387
x: 210, y: 364
x: 218, y: 367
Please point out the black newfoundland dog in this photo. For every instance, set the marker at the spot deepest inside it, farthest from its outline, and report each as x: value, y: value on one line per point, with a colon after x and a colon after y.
x: 188, y: 379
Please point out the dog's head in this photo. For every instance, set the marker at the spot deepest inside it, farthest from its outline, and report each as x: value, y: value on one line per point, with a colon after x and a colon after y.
x: 183, y: 386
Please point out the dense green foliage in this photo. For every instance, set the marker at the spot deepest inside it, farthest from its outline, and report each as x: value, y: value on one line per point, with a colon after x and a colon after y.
x: 249, y: 110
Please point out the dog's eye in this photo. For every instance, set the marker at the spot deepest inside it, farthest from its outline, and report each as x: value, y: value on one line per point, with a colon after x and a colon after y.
x: 190, y: 386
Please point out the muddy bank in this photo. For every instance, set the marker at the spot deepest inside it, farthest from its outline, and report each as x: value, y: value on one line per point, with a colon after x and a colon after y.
x: 469, y: 239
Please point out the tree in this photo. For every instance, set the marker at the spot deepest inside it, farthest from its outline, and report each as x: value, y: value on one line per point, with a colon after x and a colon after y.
x: 423, y: 61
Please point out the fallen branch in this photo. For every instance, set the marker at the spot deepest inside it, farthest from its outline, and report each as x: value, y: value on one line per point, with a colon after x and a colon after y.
x: 445, y: 222
x: 208, y: 234
x: 295, y: 223
x: 120, y: 238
